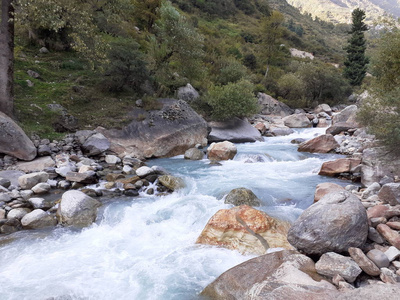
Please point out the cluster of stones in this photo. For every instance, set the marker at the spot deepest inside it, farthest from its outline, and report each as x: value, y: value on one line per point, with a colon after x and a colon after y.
x: 30, y: 192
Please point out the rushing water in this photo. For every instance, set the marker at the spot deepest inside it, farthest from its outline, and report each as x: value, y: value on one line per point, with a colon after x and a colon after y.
x: 144, y: 248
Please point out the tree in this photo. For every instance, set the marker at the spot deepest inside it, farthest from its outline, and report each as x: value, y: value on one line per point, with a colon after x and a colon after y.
x: 356, y: 61
x: 7, y: 58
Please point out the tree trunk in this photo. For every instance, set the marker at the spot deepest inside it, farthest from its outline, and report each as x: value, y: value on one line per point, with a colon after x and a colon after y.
x: 7, y: 58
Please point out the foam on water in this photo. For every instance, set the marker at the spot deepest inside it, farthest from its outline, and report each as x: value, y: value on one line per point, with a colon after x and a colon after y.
x: 144, y: 248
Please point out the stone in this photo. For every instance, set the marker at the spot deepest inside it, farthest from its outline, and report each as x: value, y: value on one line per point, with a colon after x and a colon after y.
x: 38, y: 218
x: 128, y: 170
x: 390, y: 235
x: 325, y: 188
x: 234, y: 130
x: 332, y: 263
x: 378, y: 211
x: 167, y: 132
x: 297, y: 121
x: 347, y: 115
x: 394, y: 225
x: 187, y: 93
x: 374, y: 236
x: 4, y: 182
x: 390, y: 193
x: 194, y: 154
x: 323, y: 108
x: 41, y: 188
x: 96, y: 144
x: 333, y: 224
x: 64, y: 121
x: 2, y: 214
x: 261, y: 127
x: 221, y: 151
x: 89, y: 177
x: 40, y: 203
x: 77, y: 209
x: 271, y: 106
x: 18, y: 213
x: 171, y: 182
x: 378, y: 258
x: 36, y: 165
x: 144, y: 171
x: 5, y: 197
x: 371, y: 190
x: 43, y: 50
x: 14, y: 141
x: 44, y: 150
x: 114, y: 176
x: 280, y: 131
x: 112, y: 159
x: 133, y: 162
x: 33, y: 74
x: 85, y: 168
x: 392, y: 253
x: 340, y: 127
x: 278, y: 275
x: 246, y: 230
x: 388, y: 276
x: 321, y: 144
x: 364, y: 262
x: 336, y: 167
x: 28, y: 181
x: 242, y: 196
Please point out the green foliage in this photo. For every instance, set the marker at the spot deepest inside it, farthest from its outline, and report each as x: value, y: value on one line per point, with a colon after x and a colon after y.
x: 356, y: 61
x: 232, y: 100
x: 126, y: 68
x: 231, y: 70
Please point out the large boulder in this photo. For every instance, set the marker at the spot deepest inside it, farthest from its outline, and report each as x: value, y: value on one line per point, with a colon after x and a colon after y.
x: 323, y: 108
x: 36, y: 165
x: 77, y: 209
x: 341, y: 165
x: 167, y: 132
x: 340, y: 127
x: 333, y: 224
x: 297, y: 121
x: 221, y: 151
x: 13, y: 140
x: 246, y: 230
x: 187, y: 93
x: 242, y: 196
x: 347, y: 115
x: 325, y: 188
x: 96, y: 144
x: 28, y: 181
x: 234, y: 130
x: 390, y: 193
x: 271, y: 106
x: 278, y: 275
x: 38, y: 218
x: 321, y: 144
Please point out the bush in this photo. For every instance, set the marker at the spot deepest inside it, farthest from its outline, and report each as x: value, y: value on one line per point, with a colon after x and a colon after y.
x: 232, y: 100
x: 231, y: 71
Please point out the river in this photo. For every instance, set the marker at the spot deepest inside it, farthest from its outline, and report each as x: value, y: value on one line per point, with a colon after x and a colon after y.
x: 144, y: 247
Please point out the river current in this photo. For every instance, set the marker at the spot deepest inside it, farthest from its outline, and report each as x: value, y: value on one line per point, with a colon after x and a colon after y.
x: 144, y: 247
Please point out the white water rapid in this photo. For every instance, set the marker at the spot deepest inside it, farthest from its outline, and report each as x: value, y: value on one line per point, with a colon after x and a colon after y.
x: 144, y: 247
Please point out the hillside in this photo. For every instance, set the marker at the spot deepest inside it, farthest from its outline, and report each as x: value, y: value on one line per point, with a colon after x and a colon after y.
x: 339, y: 11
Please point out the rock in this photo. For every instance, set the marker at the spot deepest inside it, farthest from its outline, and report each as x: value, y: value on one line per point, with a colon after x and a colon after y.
x: 13, y: 140
x: 234, y: 130
x: 394, y: 225
x: 278, y: 275
x: 40, y: 203
x: 372, y: 190
x: 28, y: 181
x: 347, y: 115
x: 340, y: 127
x: 43, y: 50
x: 392, y: 253
x: 271, y: 106
x: 171, y: 182
x: 44, y: 150
x: 332, y: 263
x: 96, y: 144
x: 65, y: 122
x: 5, y: 183
x: 280, y: 131
x: 335, y: 223
x: 5, y: 197
x: 89, y: 177
x: 86, y: 168
x: 261, y: 127
x: 77, y: 209
x: 38, y: 218
x: 10, y: 226
x: 242, y: 196
x: 144, y: 171
x: 341, y: 165
x: 374, y: 235
x: 323, y: 108
x: 325, y: 188
x: 164, y: 133
x: 114, y: 176
x: 128, y: 170
x: 33, y: 74
x: 390, y: 193
x: 246, y: 230
x: 321, y: 144
x: 41, y: 188
x: 112, y: 159
x: 297, y: 121
x: 364, y: 262
x: 221, y: 151
x: 194, y: 154
x: 390, y: 235
x: 187, y: 93
x: 133, y: 162
x: 388, y: 276
x: 36, y: 165
x: 2, y: 214
x: 18, y: 213
x: 378, y: 258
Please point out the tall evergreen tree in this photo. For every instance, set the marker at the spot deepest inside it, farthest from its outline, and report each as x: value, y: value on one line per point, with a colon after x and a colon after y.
x: 356, y: 61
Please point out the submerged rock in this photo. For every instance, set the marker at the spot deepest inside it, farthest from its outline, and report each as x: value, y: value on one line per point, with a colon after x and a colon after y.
x: 242, y: 196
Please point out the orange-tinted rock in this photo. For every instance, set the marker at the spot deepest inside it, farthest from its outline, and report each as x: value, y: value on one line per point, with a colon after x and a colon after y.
x: 261, y: 127
x: 394, y: 225
x: 377, y: 211
x: 246, y: 230
x: 342, y: 165
x: 221, y: 151
x: 390, y: 235
x: 321, y: 144
x: 326, y: 188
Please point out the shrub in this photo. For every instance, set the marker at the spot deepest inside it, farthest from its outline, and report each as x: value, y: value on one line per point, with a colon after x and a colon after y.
x: 232, y: 100
x: 231, y: 71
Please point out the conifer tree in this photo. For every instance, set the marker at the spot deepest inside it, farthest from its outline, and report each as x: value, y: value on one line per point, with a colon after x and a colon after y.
x: 356, y: 61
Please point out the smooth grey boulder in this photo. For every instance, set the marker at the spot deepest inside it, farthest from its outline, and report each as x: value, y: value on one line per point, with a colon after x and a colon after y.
x: 77, y: 209
x: 36, y: 165
x: 271, y: 106
x: 41, y: 188
x: 297, y: 121
x: 14, y: 141
x: 332, y: 263
x: 40, y: 203
x: 144, y: 171
x: 187, y: 93
x: 38, y: 218
x: 28, y: 181
x: 347, y: 115
x: 242, y: 196
x: 194, y: 154
x: 390, y: 193
x: 323, y: 108
x: 18, y: 213
x: 167, y: 132
x: 339, y: 127
x: 96, y: 144
x: 333, y: 224
x: 235, y: 130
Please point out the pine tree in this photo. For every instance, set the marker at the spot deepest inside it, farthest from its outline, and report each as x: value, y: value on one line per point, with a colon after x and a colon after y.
x: 356, y: 61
